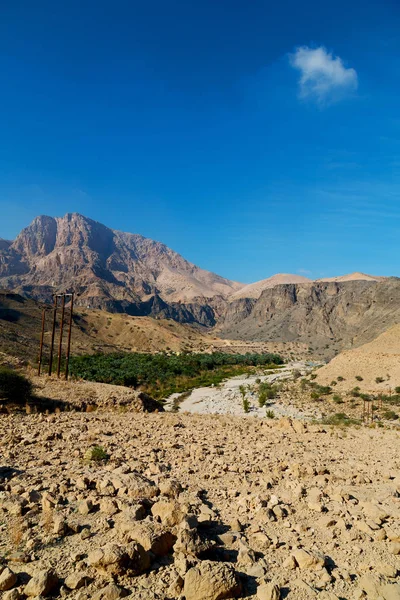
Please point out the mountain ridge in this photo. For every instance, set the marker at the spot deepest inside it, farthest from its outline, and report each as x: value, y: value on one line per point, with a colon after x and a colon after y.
x: 128, y: 273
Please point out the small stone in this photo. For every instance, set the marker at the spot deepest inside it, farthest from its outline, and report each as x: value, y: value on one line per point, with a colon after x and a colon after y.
x: 14, y: 594
x: 236, y: 525
x: 7, y: 580
x: 394, y: 548
x: 85, y: 533
x: 390, y: 591
x: 386, y: 570
x: 60, y: 526
x: 171, y: 488
x: 110, y: 592
x: 306, y: 560
x: 169, y: 512
x: 153, y: 537
x: 85, y: 507
x: 76, y: 580
x: 268, y: 591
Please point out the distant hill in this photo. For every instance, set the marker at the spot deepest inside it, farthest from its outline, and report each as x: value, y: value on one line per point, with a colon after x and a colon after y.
x: 353, y: 277
x: 254, y: 290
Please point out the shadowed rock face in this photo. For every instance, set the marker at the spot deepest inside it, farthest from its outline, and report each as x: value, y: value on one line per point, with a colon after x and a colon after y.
x: 108, y: 269
x: 336, y: 314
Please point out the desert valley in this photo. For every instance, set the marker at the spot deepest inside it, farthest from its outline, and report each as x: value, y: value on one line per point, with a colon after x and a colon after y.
x: 214, y: 439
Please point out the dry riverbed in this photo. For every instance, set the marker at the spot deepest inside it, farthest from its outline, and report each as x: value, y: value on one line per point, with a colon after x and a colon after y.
x: 227, y: 398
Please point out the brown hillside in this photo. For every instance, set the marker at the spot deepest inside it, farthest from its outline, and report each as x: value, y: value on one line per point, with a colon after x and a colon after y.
x: 379, y: 358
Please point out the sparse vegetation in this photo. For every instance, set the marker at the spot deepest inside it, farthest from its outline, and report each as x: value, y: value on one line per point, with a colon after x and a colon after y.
x: 359, y: 378
x: 266, y: 391
x: 340, y: 378
x: 379, y: 380
x: 340, y: 419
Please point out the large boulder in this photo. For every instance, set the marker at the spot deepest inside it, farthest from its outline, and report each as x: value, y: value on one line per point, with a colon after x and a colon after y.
x: 153, y: 537
x: 114, y: 559
x: 211, y: 581
x: 43, y: 583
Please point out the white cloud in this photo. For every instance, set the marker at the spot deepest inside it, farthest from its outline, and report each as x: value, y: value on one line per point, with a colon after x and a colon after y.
x: 323, y: 77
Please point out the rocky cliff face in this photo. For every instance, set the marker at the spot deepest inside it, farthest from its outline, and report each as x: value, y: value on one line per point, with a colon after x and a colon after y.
x: 108, y: 269
x: 334, y: 315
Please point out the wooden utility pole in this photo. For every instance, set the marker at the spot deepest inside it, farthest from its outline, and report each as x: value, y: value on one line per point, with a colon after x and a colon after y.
x: 61, y: 335
x: 69, y: 336
x: 53, y: 332
x: 70, y: 311
x: 41, y: 341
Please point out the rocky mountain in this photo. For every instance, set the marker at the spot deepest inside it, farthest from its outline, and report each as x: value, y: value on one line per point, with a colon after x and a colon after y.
x: 109, y: 270
x: 254, y: 290
x: 329, y: 316
x: 128, y: 273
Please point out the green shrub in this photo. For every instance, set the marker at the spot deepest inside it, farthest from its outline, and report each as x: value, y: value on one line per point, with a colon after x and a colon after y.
x: 313, y: 376
x: 340, y: 378
x: 96, y: 454
x: 262, y: 398
x: 270, y: 414
x: 359, y: 378
x: 379, y: 380
x: 397, y: 390
x: 337, y: 399
x: 14, y: 387
x: 390, y: 415
x: 246, y: 405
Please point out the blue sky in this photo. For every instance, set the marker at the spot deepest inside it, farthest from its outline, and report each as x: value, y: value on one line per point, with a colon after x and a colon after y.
x: 251, y: 137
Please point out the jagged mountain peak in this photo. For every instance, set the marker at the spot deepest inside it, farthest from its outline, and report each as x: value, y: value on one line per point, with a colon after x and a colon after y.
x: 77, y: 252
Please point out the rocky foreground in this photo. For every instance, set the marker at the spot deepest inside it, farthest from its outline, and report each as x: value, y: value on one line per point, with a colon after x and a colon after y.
x: 196, y: 507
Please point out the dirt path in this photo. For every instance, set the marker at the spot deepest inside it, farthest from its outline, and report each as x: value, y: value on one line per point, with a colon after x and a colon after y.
x: 227, y: 398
